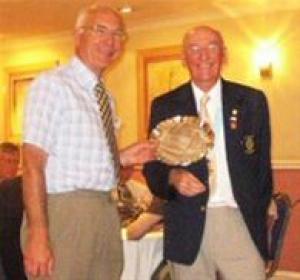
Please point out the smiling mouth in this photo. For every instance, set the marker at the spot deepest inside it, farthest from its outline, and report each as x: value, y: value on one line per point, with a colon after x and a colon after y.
x: 106, y: 53
x: 204, y: 67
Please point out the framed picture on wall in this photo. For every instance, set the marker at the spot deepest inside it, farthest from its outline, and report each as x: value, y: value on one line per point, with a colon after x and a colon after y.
x: 159, y: 70
x: 19, y: 82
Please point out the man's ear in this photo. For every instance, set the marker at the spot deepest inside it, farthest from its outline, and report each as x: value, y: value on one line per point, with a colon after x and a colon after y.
x: 225, y: 56
x: 77, y: 36
x: 183, y: 60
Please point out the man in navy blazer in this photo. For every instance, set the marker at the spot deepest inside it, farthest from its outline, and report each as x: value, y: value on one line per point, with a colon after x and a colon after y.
x: 215, y: 219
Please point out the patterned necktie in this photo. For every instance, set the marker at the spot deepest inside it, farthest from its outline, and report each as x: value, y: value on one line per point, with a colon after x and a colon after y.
x: 206, y: 125
x: 108, y: 125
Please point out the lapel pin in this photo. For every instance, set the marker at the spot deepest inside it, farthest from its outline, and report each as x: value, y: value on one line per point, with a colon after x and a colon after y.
x: 233, y: 120
x: 249, y: 144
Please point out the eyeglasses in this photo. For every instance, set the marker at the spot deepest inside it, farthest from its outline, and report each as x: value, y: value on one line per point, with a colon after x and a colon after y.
x: 102, y: 31
x: 211, y: 49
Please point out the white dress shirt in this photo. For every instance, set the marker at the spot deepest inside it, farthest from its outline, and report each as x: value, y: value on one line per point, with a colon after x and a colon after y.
x: 222, y: 194
x: 62, y: 118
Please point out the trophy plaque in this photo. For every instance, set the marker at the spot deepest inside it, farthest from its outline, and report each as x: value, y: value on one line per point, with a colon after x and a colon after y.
x: 182, y: 140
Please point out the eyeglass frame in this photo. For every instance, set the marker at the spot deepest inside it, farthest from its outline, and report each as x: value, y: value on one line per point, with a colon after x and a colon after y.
x: 212, y: 48
x: 103, y: 31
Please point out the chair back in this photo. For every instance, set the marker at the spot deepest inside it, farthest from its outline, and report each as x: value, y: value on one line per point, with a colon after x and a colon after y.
x: 276, y: 233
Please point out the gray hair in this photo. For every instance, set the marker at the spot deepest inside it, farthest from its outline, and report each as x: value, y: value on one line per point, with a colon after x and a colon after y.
x: 87, y: 13
x: 207, y: 28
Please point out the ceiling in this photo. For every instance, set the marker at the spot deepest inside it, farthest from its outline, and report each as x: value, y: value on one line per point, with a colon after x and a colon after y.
x: 27, y: 18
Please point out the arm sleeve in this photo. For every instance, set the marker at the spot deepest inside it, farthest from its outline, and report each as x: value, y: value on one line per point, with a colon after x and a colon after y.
x: 43, y: 112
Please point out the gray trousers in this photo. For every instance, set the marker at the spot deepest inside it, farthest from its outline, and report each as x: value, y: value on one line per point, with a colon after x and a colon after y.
x: 226, y: 249
x: 85, y: 236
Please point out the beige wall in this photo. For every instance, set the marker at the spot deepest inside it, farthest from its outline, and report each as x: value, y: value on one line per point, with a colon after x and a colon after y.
x: 23, y: 57
x: 241, y: 36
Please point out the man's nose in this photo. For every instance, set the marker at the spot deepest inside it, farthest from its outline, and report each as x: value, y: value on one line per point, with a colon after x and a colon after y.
x: 204, y: 54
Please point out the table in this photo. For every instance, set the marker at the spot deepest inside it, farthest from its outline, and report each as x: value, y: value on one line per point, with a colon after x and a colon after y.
x: 141, y: 257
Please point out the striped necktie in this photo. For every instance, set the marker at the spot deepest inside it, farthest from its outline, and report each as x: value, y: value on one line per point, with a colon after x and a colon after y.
x: 108, y: 125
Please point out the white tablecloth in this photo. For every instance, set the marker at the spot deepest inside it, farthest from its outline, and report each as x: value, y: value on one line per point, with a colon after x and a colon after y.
x: 142, y: 257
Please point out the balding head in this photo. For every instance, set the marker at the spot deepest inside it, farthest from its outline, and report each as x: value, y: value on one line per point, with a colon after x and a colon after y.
x: 203, y: 29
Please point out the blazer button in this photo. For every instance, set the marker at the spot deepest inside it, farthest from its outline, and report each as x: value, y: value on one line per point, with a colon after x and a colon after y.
x: 202, y: 209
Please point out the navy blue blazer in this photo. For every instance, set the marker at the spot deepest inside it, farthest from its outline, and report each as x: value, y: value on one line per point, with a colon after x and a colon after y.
x: 249, y: 163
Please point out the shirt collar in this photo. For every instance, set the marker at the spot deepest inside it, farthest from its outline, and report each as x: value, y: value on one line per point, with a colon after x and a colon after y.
x: 86, y: 78
x: 215, y: 90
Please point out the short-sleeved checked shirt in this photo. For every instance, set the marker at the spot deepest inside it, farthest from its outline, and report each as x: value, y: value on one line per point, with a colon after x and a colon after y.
x: 62, y: 118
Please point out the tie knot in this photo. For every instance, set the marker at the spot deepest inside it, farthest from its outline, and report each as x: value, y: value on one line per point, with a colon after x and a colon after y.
x: 204, y: 114
x: 204, y: 99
